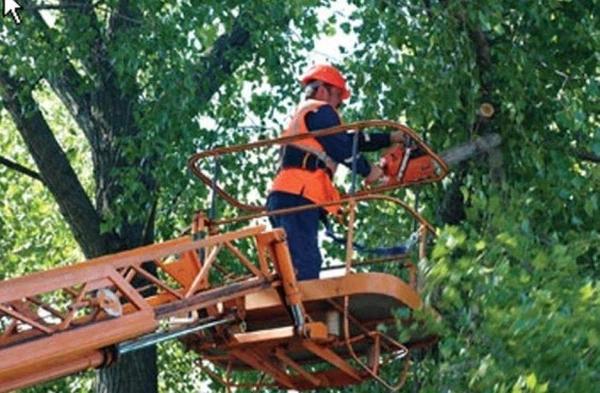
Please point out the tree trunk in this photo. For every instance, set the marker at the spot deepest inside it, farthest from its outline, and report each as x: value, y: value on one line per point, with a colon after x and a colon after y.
x: 452, y: 208
x: 134, y: 372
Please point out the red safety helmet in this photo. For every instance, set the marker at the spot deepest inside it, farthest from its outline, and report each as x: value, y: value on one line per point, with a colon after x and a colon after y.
x: 328, y: 74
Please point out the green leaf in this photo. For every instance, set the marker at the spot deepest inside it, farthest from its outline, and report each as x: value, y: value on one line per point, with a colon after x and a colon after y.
x: 587, y: 292
x: 531, y: 381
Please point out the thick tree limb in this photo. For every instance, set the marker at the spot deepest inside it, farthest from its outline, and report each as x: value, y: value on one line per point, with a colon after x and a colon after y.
x: 452, y: 208
x: 96, y: 63
x: 485, y: 74
x: 485, y: 67
x: 229, y: 51
x: 487, y: 144
x: 484, y: 61
x: 104, y: 114
x: 457, y: 154
x: 67, y: 86
x: 130, y: 374
x: 20, y: 168
x: 55, y: 169
x: 111, y: 109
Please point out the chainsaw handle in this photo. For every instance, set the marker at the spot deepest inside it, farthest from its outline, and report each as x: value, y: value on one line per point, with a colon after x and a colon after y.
x: 376, y: 174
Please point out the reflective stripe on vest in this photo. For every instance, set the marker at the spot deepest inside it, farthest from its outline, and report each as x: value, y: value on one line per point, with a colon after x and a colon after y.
x: 315, y: 185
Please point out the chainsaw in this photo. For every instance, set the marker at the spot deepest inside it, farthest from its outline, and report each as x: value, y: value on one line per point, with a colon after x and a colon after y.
x: 406, y: 164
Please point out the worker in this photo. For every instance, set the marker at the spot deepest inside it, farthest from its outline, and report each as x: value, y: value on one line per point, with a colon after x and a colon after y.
x: 307, y: 166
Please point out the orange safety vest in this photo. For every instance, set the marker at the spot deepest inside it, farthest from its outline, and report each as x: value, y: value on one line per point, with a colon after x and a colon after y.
x: 314, y: 185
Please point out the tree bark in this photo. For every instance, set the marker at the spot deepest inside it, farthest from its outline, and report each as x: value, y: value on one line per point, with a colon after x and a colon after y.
x: 588, y: 156
x: 452, y: 208
x: 55, y: 169
x: 131, y: 374
x: 460, y: 153
x: 482, y: 126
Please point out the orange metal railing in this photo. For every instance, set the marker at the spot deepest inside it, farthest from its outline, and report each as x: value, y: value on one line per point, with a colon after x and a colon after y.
x: 382, y: 125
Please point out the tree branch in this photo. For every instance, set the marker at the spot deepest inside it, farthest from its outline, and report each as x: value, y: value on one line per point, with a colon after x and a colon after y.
x: 218, y: 65
x: 55, y: 170
x: 588, y: 156
x: 111, y: 106
x: 452, y: 208
x: 96, y: 63
x: 483, y: 57
x: 124, y: 16
x: 460, y: 153
x: 68, y: 85
x: 62, y: 6
x: 20, y: 168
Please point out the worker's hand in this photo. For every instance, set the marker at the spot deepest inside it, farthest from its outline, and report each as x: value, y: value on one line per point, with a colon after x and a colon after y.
x: 397, y: 137
x: 375, y: 174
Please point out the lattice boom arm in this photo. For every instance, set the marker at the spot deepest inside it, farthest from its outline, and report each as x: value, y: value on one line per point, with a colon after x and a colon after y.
x: 65, y: 320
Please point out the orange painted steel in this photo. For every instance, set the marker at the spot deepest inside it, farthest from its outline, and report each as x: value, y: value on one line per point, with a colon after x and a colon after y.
x: 65, y: 320
x: 288, y: 358
x: 383, y: 124
x: 301, y: 335
x: 343, y: 201
x: 349, y: 205
x: 55, y: 324
x: 50, y: 371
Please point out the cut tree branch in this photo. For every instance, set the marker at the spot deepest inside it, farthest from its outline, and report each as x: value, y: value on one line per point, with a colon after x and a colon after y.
x: 55, y: 169
x: 485, y: 71
x: 452, y: 208
x: 20, y: 168
x: 460, y: 153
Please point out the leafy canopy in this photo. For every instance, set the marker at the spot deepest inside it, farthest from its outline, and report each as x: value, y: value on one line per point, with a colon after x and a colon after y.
x: 516, y: 281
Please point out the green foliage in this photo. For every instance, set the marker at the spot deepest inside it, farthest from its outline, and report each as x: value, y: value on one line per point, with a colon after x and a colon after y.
x: 175, y: 375
x: 34, y: 235
x: 516, y: 307
x: 516, y: 284
x: 513, y: 282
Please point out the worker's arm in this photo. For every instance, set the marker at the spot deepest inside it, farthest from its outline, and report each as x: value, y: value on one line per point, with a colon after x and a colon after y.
x: 377, y: 140
x: 373, y: 141
x: 337, y: 146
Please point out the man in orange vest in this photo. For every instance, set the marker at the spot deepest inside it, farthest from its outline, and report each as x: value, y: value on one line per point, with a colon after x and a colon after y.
x: 308, y: 165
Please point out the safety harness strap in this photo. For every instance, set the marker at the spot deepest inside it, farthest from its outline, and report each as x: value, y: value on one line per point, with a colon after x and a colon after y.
x: 294, y: 157
x: 329, y: 162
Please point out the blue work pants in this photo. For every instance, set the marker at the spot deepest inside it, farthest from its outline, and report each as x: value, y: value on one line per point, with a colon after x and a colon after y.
x: 302, y: 232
